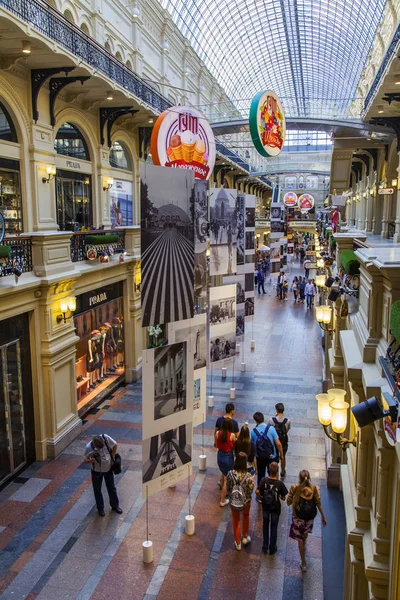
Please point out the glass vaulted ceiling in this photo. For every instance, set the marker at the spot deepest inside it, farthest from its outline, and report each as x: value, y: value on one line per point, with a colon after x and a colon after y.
x: 310, y: 52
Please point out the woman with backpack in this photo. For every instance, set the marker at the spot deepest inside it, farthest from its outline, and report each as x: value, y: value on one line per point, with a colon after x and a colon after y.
x: 240, y: 485
x: 306, y: 502
x: 225, y: 442
x: 244, y: 444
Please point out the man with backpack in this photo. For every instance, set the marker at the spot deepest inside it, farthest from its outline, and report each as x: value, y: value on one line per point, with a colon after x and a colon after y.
x: 268, y: 447
x: 282, y: 426
x: 271, y: 491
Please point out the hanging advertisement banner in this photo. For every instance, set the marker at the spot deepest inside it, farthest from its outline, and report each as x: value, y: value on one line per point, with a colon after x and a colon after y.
x: 290, y: 199
x: 182, y: 138
x: 267, y: 124
x: 200, y: 245
x: 167, y: 245
x: 223, y: 231
x: 240, y: 238
x: 306, y: 202
x: 240, y: 282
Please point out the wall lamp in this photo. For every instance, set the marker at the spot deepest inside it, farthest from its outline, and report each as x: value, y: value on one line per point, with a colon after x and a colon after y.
x: 107, y: 183
x: 67, y: 305
x: 332, y: 414
x: 51, y: 171
x: 323, y: 314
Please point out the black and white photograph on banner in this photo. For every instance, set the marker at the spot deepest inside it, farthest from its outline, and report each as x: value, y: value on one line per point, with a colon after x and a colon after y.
x: 240, y: 321
x: 250, y: 216
x: 275, y: 266
x: 166, y: 457
x: 199, y: 397
x: 240, y: 217
x: 167, y: 244
x: 223, y: 229
x: 276, y: 213
x: 200, y: 212
x: 249, y: 307
x: 275, y: 251
x: 170, y: 381
x: 239, y: 281
x: 250, y: 258
x: 277, y: 226
x: 249, y: 240
x: 195, y: 331
x: 222, y: 347
x: 200, y: 280
x: 223, y: 305
x: 249, y: 282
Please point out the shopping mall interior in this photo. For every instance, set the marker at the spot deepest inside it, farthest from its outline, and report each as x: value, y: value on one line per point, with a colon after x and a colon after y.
x: 174, y: 309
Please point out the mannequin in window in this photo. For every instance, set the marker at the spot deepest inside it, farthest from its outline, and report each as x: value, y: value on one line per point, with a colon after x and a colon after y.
x: 92, y: 358
x: 118, y: 338
x: 105, y: 333
x: 110, y: 348
x: 100, y: 357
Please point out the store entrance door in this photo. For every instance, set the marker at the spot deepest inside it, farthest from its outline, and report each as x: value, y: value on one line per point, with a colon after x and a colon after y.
x: 12, y: 441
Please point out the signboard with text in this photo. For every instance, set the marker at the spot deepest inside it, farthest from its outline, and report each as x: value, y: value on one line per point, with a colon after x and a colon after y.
x: 267, y: 124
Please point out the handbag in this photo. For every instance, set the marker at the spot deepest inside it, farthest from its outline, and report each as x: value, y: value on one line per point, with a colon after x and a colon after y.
x: 116, y: 461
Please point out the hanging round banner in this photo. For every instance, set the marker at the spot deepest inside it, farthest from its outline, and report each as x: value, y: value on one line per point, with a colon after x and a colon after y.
x: 306, y: 202
x: 267, y: 123
x: 182, y: 138
x: 290, y: 199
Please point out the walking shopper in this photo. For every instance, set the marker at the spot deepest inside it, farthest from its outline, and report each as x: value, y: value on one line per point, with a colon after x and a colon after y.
x: 268, y: 446
x: 260, y: 281
x: 240, y: 486
x: 302, y: 287
x: 229, y: 412
x: 282, y: 426
x: 310, y: 293
x: 244, y: 444
x: 307, y: 267
x: 281, y: 279
x: 225, y: 442
x: 295, y: 289
x: 98, y: 453
x: 271, y: 491
x: 306, y: 501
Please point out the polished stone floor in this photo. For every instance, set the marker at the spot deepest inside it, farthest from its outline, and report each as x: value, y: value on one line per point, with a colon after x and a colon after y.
x: 54, y: 546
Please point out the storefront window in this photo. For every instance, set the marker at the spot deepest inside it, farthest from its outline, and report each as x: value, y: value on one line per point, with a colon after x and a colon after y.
x: 100, y: 352
x: 10, y: 196
x: 119, y: 157
x: 73, y: 198
x: 7, y: 129
x: 70, y: 142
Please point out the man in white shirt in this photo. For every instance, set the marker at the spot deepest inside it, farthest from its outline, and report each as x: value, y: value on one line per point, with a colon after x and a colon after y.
x: 98, y: 452
x: 307, y: 266
x: 279, y: 289
x: 310, y: 293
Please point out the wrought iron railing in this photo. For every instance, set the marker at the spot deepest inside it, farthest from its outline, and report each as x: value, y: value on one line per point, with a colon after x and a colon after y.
x: 44, y: 18
x: 382, y: 69
x: 233, y: 156
x: 79, y: 245
x: 20, y: 256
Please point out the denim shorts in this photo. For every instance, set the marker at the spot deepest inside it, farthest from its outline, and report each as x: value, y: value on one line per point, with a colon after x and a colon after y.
x: 225, y: 461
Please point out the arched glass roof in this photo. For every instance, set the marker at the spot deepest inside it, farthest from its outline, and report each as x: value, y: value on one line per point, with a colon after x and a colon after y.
x: 310, y: 52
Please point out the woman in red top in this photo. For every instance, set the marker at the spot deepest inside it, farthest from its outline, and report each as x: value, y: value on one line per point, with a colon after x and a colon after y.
x: 225, y: 442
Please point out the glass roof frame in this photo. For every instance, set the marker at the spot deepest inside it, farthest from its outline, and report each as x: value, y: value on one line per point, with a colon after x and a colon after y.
x: 302, y: 49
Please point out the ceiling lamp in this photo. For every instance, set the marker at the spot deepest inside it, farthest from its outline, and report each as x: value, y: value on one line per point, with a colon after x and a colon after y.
x: 26, y: 48
x: 110, y: 95
x: 380, y: 109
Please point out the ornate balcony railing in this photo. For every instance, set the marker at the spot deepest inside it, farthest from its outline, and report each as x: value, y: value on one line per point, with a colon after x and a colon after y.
x: 48, y: 21
x: 233, y: 156
x: 79, y: 243
x: 382, y: 69
x: 20, y: 256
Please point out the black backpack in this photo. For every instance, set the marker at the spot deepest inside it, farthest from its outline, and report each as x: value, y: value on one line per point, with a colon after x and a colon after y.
x: 306, y: 509
x: 270, y: 500
x: 282, y: 433
x: 264, y: 446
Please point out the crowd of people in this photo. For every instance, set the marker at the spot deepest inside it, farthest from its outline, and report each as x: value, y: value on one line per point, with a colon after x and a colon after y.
x: 250, y: 461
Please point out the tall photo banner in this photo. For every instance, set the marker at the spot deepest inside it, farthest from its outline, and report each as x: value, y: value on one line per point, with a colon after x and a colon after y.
x: 223, y: 231
x: 200, y: 245
x: 240, y: 282
x: 222, y: 324
x: 168, y: 388
x: 250, y: 256
x: 241, y: 220
x: 167, y: 244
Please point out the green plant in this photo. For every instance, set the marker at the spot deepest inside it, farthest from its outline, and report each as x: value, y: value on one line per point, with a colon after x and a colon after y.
x: 106, y: 238
x: 395, y: 321
x: 349, y: 262
x: 5, y: 251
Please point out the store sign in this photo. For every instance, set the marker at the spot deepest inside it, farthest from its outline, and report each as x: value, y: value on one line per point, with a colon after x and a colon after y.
x: 72, y: 164
x: 383, y: 191
x: 267, y: 124
x: 183, y: 139
x: 94, y: 298
x: 290, y: 199
x: 306, y: 202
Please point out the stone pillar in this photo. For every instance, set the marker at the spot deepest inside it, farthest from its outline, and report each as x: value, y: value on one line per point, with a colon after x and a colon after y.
x: 396, y: 238
x: 385, y: 216
x: 51, y: 253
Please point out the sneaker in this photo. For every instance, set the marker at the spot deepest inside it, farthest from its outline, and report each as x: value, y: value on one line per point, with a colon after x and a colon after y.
x: 238, y: 546
x: 246, y: 540
x: 224, y: 503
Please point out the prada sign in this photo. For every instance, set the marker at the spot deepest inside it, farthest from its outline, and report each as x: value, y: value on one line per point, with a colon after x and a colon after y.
x: 97, y: 297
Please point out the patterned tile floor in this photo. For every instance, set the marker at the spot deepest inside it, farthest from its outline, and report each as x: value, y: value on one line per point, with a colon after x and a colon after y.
x: 53, y: 545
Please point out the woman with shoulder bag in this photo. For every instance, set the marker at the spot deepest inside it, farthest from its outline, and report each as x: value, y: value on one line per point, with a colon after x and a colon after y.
x: 225, y: 442
x: 306, y: 503
x: 240, y: 485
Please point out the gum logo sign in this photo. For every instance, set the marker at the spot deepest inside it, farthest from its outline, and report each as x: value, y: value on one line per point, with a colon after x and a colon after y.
x: 290, y: 199
x: 183, y: 139
x: 267, y: 124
